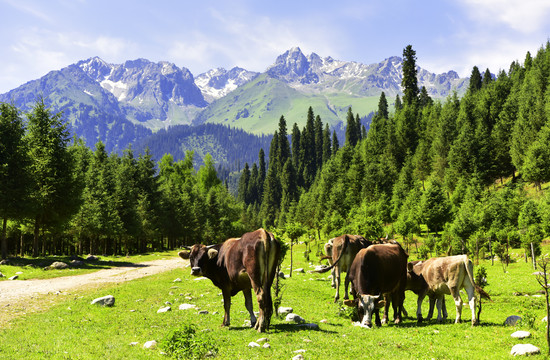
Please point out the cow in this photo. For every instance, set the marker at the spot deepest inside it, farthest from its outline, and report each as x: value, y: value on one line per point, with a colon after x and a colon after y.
x: 417, y: 284
x: 240, y: 264
x: 378, y: 270
x: 341, y: 251
x: 447, y: 275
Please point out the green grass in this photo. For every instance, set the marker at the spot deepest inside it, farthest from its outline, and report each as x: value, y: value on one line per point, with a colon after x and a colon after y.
x: 33, y: 268
x: 73, y: 329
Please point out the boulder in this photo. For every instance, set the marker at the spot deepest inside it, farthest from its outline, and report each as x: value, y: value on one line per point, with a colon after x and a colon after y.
x: 77, y: 263
x: 164, y: 309
x: 284, y: 310
x: 298, y: 357
x: 92, y: 258
x: 310, y: 326
x: 300, y: 270
x: 524, y: 349
x: 150, y: 344
x: 1, y: 275
x: 58, y: 265
x: 512, y: 320
x: 4, y: 262
x: 108, y: 300
x: 521, y: 334
x: 266, y: 346
x: 14, y: 277
x: 295, y: 318
x: 252, y: 344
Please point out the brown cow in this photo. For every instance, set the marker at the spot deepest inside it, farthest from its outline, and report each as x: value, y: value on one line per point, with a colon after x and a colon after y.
x: 417, y: 284
x: 249, y: 262
x: 447, y: 275
x: 341, y: 251
x: 378, y: 270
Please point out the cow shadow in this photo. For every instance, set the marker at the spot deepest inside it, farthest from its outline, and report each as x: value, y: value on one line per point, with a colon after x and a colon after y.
x: 445, y: 323
x: 285, y: 328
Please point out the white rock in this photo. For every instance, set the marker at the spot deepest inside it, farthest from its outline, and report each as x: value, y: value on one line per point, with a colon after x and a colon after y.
x: 133, y: 343
x: 301, y: 351
x: 295, y: 318
x: 252, y: 344
x: 284, y: 310
x: 203, y: 312
x: 298, y: 357
x: 521, y: 334
x: 524, y: 349
x: 266, y: 346
x: 300, y: 270
x: 177, y: 280
x: 324, y: 321
x: 247, y: 323
x: 262, y: 340
x: 164, y: 309
x: 150, y: 344
x: 545, y: 319
x: 201, y: 278
x: 108, y: 300
x: 19, y: 273
x: 14, y: 277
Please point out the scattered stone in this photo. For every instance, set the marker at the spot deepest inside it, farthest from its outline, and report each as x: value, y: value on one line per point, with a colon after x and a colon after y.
x: 252, y: 344
x: 201, y: 278
x: 168, y: 303
x: 262, y: 340
x: 281, y: 274
x: 188, y: 298
x: 247, y: 323
x: 150, y: 344
x: 134, y: 343
x: 295, y: 318
x: 4, y: 262
x: 284, y: 310
x: 177, y: 280
x: 545, y: 319
x: 358, y: 323
x: 215, y: 313
x: 300, y: 270
x: 512, y: 320
x: 19, y: 273
x: 14, y: 277
x: 92, y: 258
x: 108, y: 300
x: 308, y: 340
x: 77, y: 263
x: 203, y: 312
x: 524, y: 349
x: 164, y: 309
x: 324, y: 321
x: 298, y: 357
x: 521, y: 334
x: 58, y: 265
x: 1, y: 275
x: 301, y: 351
x: 320, y: 267
x: 266, y: 346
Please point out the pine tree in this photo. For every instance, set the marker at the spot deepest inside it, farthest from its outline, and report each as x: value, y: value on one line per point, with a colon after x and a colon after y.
x: 326, y: 144
x: 409, y: 81
x: 14, y: 170
x: 351, y: 129
x: 318, y: 128
x: 244, y: 183
x: 283, y: 150
x: 475, y: 80
x: 335, y: 143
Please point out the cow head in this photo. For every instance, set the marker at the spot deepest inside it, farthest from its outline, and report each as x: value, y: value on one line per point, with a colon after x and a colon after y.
x: 366, y: 304
x: 199, y: 256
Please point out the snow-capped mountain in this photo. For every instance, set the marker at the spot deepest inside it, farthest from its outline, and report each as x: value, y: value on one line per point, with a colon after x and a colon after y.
x: 219, y: 82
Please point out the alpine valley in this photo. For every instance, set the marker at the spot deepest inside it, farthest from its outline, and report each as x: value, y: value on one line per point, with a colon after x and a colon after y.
x: 143, y: 103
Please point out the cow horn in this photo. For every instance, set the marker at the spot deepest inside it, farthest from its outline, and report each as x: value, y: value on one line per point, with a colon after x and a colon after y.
x: 210, y: 246
x: 212, y: 253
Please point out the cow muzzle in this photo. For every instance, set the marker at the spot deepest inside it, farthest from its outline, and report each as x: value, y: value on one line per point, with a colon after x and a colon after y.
x: 196, y: 271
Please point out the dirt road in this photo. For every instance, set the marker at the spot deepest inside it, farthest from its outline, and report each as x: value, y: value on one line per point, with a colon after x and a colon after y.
x: 18, y: 296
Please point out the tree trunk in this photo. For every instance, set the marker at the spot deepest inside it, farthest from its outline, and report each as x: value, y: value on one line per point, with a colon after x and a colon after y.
x: 22, y: 246
x: 4, y: 238
x: 36, y: 236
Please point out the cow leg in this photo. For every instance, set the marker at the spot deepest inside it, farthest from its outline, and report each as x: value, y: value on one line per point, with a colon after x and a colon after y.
x: 377, y: 317
x: 337, y: 274
x: 248, y: 304
x: 421, y: 297
x: 472, y: 302
x: 333, y: 280
x: 387, y: 300
x: 432, y: 300
x: 227, y: 307
x: 397, y: 304
x: 440, y: 303
x: 346, y: 286
x: 443, y: 307
x: 455, y: 293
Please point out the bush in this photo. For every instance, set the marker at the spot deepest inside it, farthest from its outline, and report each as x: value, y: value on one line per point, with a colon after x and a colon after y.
x: 186, y: 343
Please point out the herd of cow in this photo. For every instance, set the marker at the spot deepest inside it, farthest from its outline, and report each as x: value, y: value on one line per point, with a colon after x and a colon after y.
x: 379, y: 274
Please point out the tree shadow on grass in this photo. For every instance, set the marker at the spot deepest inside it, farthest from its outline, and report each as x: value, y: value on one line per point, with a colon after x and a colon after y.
x: 285, y: 328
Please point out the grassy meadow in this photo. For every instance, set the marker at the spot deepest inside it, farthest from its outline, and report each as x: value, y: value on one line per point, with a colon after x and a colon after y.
x: 74, y: 329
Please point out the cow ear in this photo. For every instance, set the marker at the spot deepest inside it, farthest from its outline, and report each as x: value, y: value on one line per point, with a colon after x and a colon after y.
x: 212, y: 253
x: 350, y: 303
x: 184, y: 255
x: 380, y: 304
x: 410, y: 267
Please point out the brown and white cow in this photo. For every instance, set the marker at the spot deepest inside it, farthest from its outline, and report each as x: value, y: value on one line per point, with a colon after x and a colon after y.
x: 242, y: 264
x: 417, y: 284
x: 341, y: 251
x: 447, y: 275
x: 378, y: 270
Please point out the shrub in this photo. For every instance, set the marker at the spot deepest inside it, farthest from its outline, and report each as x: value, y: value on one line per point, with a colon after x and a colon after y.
x: 186, y: 343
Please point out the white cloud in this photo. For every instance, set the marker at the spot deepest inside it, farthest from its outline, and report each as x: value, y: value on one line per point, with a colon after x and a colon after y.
x: 526, y: 16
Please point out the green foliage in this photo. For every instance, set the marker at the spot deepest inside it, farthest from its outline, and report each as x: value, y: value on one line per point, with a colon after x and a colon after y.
x: 186, y: 343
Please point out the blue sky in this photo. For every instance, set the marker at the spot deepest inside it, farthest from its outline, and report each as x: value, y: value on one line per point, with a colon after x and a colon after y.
x: 37, y: 36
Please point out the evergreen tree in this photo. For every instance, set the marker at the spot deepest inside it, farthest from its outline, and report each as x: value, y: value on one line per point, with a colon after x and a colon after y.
x: 318, y: 127
x: 424, y: 99
x: 535, y: 166
x: 54, y: 190
x: 475, y: 80
x: 409, y: 82
x: 283, y: 150
x: 351, y: 129
x: 487, y: 78
x: 335, y: 143
x: 307, y: 152
x: 289, y: 191
x: 296, y: 148
x: 244, y: 183
x: 14, y: 170
x: 326, y: 144
x: 398, y: 103
x: 436, y: 209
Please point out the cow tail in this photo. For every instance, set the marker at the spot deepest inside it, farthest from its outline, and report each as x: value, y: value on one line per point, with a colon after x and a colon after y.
x: 478, y: 288
x: 324, y: 270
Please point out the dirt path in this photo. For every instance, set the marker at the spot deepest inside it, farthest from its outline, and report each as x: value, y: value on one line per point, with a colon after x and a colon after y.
x: 18, y: 297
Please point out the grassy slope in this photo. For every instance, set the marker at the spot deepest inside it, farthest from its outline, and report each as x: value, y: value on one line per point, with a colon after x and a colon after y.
x: 74, y: 329
x: 266, y: 100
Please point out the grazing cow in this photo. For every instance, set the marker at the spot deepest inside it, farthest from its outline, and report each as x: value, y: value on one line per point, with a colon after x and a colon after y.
x: 417, y: 284
x: 447, y: 275
x: 378, y: 270
x: 341, y: 251
x: 242, y: 264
